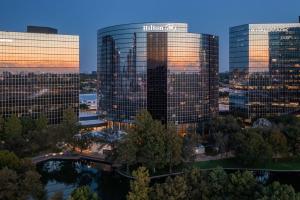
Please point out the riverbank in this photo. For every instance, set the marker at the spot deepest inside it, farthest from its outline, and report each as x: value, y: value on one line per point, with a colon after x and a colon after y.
x: 291, y: 164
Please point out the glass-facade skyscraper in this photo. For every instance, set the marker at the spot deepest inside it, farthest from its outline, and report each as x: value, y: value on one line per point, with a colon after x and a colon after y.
x: 265, y: 69
x: 39, y: 73
x: 160, y: 67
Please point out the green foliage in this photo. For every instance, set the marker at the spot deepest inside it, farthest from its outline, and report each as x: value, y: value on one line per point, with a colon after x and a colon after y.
x: 83, y: 193
x: 222, y: 130
x: 217, y: 180
x: 190, y: 140
x: 139, y: 188
x: 2, y: 133
x: 69, y: 126
x: 289, y: 125
x: 278, y: 142
x: 13, y: 127
x: 278, y: 191
x: 20, y: 186
x: 151, y: 150
x: 242, y: 185
x: 8, y: 184
x: 127, y: 150
x: 28, y: 125
x: 218, y: 185
x: 173, y: 147
x: 151, y: 144
x: 174, y: 188
x: 41, y: 123
x: 32, y: 185
x: 9, y: 160
x: 251, y: 149
x: 197, y: 185
x: 226, y: 125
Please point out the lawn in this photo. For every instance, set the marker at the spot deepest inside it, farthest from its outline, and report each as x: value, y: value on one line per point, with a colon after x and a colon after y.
x: 283, y: 164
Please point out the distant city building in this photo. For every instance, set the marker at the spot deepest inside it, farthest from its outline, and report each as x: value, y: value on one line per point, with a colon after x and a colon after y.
x: 39, y: 73
x: 159, y: 67
x: 264, y: 69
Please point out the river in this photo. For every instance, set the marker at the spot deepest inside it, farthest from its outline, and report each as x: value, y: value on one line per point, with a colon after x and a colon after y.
x: 65, y: 176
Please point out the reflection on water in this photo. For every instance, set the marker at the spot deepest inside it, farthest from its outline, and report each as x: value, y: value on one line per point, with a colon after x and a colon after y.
x: 65, y: 176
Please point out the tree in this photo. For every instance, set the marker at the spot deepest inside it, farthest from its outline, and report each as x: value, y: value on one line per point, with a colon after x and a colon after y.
x: 127, y: 150
x: 2, y: 133
x: 292, y: 133
x: 139, y: 187
x: 9, y: 160
x: 222, y: 130
x: 41, y: 123
x: 83, y: 193
x: 278, y: 142
x: 289, y: 125
x: 278, y: 191
x: 32, y: 186
x: 190, y: 141
x: 13, y: 127
x: 150, y: 141
x: 69, y: 126
x: 221, y: 141
x: 151, y: 144
x: 8, y: 184
x: 242, y: 185
x: 218, y: 185
x: 173, y: 145
x: 28, y: 125
x: 251, y: 148
x: 217, y: 180
x: 20, y: 186
x: 153, y: 148
x: 175, y: 189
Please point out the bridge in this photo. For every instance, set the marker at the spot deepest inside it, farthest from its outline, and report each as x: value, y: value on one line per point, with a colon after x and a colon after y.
x: 99, y: 158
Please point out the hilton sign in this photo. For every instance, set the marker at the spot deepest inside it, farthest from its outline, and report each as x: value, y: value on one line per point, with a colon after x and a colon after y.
x: 167, y: 27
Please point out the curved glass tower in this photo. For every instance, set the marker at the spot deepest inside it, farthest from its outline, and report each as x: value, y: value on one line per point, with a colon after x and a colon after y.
x: 264, y: 69
x: 159, y: 67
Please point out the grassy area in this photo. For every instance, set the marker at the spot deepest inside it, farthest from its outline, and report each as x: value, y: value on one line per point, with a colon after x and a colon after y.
x: 283, y: 164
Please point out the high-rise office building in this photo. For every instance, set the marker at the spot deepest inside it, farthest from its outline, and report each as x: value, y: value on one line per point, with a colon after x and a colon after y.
x: 39, y: 73
x: 265, y: 69
x: 160, y: 67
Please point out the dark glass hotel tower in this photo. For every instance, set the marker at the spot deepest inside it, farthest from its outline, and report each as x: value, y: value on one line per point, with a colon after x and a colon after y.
x: 265, y: 69
x: 39, y: 74
x: 159, y: 67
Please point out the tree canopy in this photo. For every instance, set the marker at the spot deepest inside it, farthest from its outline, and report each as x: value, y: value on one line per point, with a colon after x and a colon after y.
x: 83, y: 193
x: 151, y: 144
x: 139, y: 187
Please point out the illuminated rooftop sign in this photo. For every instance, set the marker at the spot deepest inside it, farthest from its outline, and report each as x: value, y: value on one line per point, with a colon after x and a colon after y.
x: 167, y: 27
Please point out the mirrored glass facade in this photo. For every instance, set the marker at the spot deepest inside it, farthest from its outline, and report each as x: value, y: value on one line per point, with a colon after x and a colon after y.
x: 39, y: 74
x: 159, y: 67
x: 265, y: 69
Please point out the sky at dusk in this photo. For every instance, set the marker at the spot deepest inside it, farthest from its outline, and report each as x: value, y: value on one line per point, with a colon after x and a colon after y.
x: 84, y: 17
